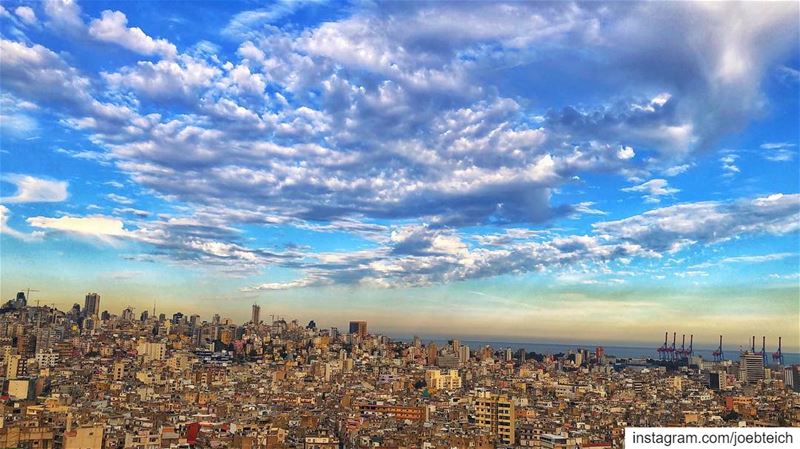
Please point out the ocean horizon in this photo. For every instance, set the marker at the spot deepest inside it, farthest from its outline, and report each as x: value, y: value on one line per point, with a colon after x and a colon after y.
x: 617, y: 350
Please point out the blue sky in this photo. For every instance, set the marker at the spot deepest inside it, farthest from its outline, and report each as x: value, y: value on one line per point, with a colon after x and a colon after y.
x: 585, y: 171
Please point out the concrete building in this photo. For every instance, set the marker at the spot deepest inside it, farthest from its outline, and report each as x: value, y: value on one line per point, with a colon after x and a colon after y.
x: 495, y: 413
x: 84, y: 437
x: 20, y: 388
x: 442, y: 379
x: 46, y: 359
x: 321, y: 443
x: 14, y: 366
x: 358, y: 328
x: 791, y: 377
x: 152, y: 351
x: 552, y: 441
x: 91, y: 306
x: 751, y: 368
x: 717, y: 380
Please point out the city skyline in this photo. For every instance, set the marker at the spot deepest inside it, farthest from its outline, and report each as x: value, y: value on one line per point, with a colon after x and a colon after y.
x: 567, y: 171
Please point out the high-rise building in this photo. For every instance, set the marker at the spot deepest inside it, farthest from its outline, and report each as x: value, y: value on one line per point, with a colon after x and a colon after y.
x: 91, y: 307
x: 127, y: 314
x: 751, y: 367
x: 255, y: 316
x: 599, y: 353
x: 433, y: 353
x: 791, y: 377
x: 358, y: 328
x: 495, y: 413
x: 464, y: 354
x: 716, y: 380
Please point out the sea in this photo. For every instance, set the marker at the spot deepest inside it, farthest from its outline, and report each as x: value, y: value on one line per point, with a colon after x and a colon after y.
x: 611, y: 351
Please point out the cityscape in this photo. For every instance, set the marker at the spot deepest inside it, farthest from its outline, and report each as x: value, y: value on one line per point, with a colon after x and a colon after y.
x: 399, y: 224
x: 87, y: 378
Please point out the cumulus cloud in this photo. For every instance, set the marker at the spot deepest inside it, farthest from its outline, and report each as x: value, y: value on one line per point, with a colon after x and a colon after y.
x: 673, y: 227
x: 26, y: 15
x: 64, y: 15
x: 112, y: 27
x: 106, y: 229
x: 417, y: 255
x: 30, y: 189
x: 375, y: 117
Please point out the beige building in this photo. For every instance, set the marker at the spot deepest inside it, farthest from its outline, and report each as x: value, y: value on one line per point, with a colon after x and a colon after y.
x: 152, y: 351
x: 447, y: 380
x: 119, y: 370
x: 495, y: 413
x: 33, y: 437
x: 20, y: 388
x: 14, y: 366
x: 321, y: 443
x: 84, y: 437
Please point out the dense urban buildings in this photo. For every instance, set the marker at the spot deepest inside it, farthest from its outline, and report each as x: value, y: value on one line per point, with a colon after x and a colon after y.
x: 85, y: 379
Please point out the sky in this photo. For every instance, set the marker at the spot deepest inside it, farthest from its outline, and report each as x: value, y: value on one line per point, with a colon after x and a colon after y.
x: 589, y: 172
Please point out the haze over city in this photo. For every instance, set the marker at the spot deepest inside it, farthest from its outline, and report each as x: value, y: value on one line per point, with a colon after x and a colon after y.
x: 524, y: 171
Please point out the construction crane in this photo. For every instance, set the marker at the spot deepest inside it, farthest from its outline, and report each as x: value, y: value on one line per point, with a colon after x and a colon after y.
x: 671, y: 349
x: 38, y: 312
x: 777, y: 357
x: 718, y: 354
x: 680, y: 353
x: 28, y: 295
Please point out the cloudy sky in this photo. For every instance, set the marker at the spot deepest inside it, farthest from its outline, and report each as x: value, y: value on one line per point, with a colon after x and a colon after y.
x: 549, y: 171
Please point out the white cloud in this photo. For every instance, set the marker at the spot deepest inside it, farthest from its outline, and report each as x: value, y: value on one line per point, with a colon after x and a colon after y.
x: 676, y: 170
x: 653, y: 190
x: 758, y: 258
x: 64, y: 15
x: 112, y: 27
x: 779, y: 151
x: 106, y: 229
x: 299, y: 283
x: 729, y: 164
x: 30, y: 189
x: 8, y: 230
x: 26, y: 14
x: 119, y: 198
x: 626, y: 153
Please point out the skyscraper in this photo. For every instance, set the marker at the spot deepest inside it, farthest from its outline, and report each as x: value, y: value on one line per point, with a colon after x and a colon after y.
x: 91, y: 307
x: 255, y: 317
x: 359, y: 328
x: 751, y: 367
